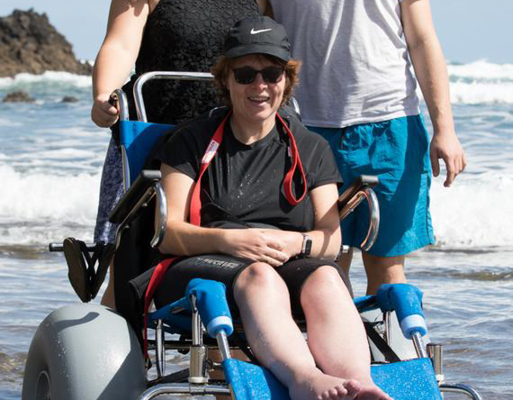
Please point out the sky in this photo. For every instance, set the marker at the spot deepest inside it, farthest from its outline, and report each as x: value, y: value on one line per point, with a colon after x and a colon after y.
x: 468, y: 30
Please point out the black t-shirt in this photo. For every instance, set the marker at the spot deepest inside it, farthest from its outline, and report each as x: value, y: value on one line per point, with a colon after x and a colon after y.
x: 245, y: 182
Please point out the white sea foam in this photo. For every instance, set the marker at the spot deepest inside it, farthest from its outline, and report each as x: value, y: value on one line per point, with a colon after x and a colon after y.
x: 30, y: 197
x: 481, y: 82
x: 50, y: 77
x: 481, y: 92
x: 482, y: 69
x: 475, y: 213
x: 33, y: 205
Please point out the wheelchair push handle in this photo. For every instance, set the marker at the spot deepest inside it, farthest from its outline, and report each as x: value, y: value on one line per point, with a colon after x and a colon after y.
x: 406, y: 301
x: 181, y: 76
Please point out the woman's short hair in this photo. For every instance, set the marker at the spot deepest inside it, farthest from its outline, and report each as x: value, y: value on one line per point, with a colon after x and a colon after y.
x: 221, y: 70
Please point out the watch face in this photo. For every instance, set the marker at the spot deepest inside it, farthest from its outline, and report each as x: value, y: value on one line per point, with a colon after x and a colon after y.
x: 308, y: 246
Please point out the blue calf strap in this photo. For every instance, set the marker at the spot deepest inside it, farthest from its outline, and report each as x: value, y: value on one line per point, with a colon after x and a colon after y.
x: 212, y: 305
x: 406, y: 301
x: 210, y: 302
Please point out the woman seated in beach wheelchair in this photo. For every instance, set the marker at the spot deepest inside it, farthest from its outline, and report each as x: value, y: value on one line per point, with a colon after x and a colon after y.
x: 251, y: 229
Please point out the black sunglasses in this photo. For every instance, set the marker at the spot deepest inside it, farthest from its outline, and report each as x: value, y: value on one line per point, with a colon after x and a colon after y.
x: 247, y: 75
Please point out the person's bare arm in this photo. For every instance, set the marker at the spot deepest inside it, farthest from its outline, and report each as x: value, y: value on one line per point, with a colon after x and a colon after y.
x: 431, y: 71
x: 327, y: 236
x: 117, y: 55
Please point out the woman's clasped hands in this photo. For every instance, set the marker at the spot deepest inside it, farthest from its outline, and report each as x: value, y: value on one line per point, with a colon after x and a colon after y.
x: 272, y: 246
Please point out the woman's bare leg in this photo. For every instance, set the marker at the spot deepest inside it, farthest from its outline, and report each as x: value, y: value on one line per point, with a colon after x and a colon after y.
x: 336, y: 336
x: 277, y: 342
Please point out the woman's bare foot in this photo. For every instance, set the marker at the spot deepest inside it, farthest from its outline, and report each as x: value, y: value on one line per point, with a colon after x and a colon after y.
x: 372, y: 392
x: 319, y: 386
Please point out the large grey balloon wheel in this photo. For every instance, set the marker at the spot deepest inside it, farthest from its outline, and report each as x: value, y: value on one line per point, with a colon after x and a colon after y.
x: 84, y: 352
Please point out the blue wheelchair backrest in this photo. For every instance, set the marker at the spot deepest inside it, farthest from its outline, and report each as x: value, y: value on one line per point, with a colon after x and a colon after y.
x: 138, y: 137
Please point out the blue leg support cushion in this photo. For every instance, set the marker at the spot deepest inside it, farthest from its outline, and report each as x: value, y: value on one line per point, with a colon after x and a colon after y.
x: 406, y: 380
x: 251, y: 382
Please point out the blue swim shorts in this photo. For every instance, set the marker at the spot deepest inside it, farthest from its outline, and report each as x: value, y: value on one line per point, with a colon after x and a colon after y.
x: 397, y: 151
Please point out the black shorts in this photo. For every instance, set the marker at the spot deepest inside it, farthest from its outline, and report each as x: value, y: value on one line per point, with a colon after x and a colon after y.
x: 225, y: 269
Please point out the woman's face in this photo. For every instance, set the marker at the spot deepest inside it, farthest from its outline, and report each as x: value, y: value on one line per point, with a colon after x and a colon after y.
x: 258, y: 101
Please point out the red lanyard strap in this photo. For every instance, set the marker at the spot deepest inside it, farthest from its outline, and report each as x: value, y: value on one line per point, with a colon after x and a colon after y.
x: 296, y: 163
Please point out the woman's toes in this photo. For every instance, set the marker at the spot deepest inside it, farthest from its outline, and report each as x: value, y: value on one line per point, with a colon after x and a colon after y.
x: 353, y: 387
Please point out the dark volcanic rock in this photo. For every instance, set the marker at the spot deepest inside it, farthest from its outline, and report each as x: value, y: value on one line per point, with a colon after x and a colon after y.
x: 29, y: 43
x: 69, y: 99
x: 18, y: 97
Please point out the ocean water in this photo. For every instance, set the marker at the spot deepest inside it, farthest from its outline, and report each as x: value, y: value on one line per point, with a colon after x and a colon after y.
x: 50, y: 166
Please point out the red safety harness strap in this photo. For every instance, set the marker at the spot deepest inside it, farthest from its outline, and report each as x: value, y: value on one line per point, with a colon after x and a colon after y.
x: 156, y: 278
x: 210, y: 153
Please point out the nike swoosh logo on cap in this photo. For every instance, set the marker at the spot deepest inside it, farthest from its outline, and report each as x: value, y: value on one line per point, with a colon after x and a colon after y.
x: 254, y: 32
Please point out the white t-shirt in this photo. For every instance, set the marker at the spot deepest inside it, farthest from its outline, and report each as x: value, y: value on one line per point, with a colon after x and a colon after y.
x: 356, y: 67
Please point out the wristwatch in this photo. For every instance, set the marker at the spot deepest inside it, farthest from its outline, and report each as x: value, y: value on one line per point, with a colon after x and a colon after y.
x: 306, y: 247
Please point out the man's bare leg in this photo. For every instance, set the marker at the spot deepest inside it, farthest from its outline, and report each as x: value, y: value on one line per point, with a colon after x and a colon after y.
x: 383, y: 270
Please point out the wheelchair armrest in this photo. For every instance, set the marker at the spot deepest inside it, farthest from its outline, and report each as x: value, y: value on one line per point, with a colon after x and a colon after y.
x: 363, y: 182
x: 133, y: 195
x: 145, y: 187
x: 352, y: 197
x: 58, y: 247
x: 139, y: 194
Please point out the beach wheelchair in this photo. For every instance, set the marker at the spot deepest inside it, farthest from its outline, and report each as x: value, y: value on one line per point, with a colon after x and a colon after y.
x: 89, y: 352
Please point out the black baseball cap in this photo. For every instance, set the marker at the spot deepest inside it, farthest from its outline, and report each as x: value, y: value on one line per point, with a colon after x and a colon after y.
x: 257, y: 35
